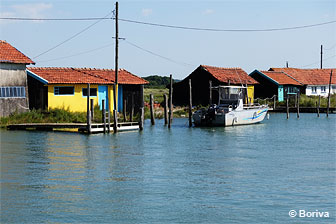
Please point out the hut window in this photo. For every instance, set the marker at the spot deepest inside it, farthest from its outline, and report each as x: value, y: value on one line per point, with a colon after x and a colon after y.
x: 64, y: 90
x: 13, y: 92
x: 323, y: 89
x: 314, y: 89
x: 93, y: 91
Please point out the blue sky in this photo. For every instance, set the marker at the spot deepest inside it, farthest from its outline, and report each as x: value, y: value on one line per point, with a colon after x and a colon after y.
x: 183, y: 50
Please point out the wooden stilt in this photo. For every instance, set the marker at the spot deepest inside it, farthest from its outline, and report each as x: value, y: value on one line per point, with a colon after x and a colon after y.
x: 88, y: 114
x: 190, y: 104
x: 165, y: 109
x: 170, y: 119
x: 142, y: 110
x: 92, y: 109
x: 318, y: 106
x: 287, y: 106
x: 104, y: 115
x: 132, y: 108
x: 151, y: 101
x: 210, y: 92
x: 124, y: 110
x: 328, y: 105
x: 298, y: 105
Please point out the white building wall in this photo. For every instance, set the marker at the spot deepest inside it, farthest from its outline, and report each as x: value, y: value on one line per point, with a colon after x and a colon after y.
x: 320, y: 90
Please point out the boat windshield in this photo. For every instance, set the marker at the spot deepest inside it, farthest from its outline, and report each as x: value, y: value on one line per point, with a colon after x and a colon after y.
x: 230, y: 93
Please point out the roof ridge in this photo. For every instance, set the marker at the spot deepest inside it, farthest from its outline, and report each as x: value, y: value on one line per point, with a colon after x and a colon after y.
x: 222, y: 67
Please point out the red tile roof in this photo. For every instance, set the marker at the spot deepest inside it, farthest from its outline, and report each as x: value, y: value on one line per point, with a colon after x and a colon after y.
x: 309, y: 76
x: 232, y: 75
x: 281, y: 78
x: 9, y: 54
x: 85, y: 75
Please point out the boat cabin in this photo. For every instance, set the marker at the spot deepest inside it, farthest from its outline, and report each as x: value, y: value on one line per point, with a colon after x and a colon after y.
x: 231, y: 96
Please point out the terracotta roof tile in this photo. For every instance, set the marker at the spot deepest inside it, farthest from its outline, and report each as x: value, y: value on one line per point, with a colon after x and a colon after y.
x: 281, y: 78
x: 309, y: 76
x: 232, y: 75
x: 9, y: 54
x: 85, y: 75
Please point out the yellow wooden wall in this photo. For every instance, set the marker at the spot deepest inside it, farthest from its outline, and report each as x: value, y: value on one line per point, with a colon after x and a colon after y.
x: 250, y: 93
x: 76, y: 102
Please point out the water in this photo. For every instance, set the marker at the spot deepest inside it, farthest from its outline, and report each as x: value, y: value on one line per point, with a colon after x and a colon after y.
x: 245, y: 174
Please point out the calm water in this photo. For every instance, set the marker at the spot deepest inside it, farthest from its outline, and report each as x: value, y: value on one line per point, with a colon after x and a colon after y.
x: 246, y: 174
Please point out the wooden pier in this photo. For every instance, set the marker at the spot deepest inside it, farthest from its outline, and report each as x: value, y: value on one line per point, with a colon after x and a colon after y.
x: 81, y: 127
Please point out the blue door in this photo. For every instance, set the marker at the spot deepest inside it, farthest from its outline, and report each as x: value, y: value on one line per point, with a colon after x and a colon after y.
x: 280, y: 93
x: 102, y: 95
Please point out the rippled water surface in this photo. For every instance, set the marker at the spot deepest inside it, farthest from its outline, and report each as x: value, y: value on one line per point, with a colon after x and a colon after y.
x: 245, y: 174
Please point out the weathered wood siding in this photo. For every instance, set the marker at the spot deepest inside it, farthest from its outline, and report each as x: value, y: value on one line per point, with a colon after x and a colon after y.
x: 13, y: 75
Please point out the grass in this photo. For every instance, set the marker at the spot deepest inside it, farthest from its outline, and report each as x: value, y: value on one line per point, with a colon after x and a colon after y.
x: 157, y: 94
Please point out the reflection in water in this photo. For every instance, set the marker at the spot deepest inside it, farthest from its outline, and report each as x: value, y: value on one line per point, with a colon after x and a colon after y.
x: 238, y: 174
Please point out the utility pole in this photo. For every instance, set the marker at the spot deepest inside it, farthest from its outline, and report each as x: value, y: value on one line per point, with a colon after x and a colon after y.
x: 115, y: 104
x: 321, y: 54
x: 286, y: 64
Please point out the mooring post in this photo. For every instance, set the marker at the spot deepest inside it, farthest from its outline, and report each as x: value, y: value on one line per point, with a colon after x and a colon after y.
x: 104, y: 116
x: 109, y: 121
x: 274, y: 100
x: 151, y: 102
x: 132, y: 108
x: 142, y: 110
x: 328, y: 105
x: 318, y: 106
x: 165, y: 109
x: 190, y: 104
x: 88, y: 114
x: 124, y: 110
x: 287, y: 106
x: 210, y: 92
x: 298, y: 105
x: 92, y: 109
x: 170, y: 119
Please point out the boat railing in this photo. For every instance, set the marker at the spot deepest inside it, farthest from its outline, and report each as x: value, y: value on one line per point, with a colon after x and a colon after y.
x: 254, y: 106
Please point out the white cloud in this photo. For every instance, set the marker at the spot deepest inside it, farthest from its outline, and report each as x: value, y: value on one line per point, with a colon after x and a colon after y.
x: 35, y: 10
x: 147, y: 12
x: 208, y: 12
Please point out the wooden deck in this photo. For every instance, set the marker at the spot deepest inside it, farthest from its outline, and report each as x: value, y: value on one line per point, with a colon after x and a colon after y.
x: 81, y: 127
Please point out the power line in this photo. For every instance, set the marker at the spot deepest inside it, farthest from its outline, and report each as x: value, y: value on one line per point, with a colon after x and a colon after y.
x: 80, y: 53
x: 70, y: 38
x: 327, y: 49
x: 172, y: 26
x: 319, y: 61
x: 227, y: 30
x: 160, y: 56
x: 55, y: 19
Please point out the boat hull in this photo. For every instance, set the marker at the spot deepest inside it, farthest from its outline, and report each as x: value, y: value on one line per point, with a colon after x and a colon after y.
x: 231, y: 118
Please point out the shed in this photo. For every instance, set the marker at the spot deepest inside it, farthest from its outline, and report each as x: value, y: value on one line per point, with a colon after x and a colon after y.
x: 67, y: 87
x: 13, y: 80
x: 200, y: 78
x: 315, y: 81
x: 274, y: 83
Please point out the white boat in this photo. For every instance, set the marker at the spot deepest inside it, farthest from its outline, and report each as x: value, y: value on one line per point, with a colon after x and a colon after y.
x: 230, y: 110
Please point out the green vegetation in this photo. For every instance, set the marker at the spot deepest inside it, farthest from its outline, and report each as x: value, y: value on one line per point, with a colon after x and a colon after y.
x: 157, y: 94
x: 158, y: 82
x: 305, y: 101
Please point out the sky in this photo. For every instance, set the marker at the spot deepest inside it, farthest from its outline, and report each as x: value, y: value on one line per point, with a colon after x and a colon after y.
x: 154, y: 50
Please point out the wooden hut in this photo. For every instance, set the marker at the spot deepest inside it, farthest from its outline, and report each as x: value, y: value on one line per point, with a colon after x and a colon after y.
x: 200, y: 78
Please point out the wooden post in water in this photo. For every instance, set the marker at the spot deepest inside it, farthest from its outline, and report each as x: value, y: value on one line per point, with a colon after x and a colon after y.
x: 124, y: 110
x: 210, y: 92
x: 142, y: 110
x: 287, y: 106
x: 274, y: 100
x: 92, y: 109
x: 328, y: 106
x: 298, y: 104
x: 132, y: 108
x: 88, y: 114
x: 318, y: 106
x: 190, y: 104
x: 104, y: 116
x: 151, y: 102
x: 170, y: 119
x: 165, y: 108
